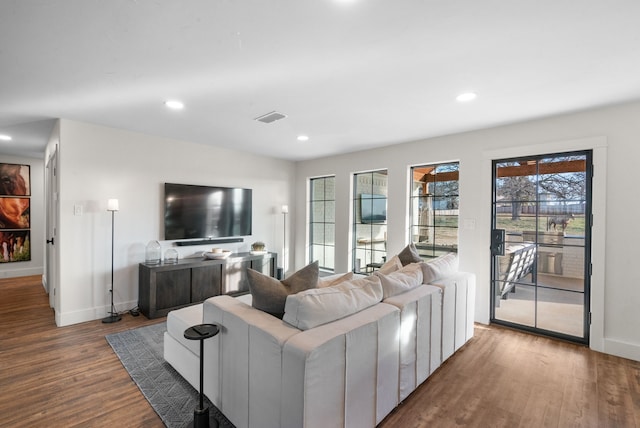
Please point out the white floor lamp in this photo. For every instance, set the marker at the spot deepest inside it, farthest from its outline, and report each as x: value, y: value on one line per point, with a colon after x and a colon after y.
x: 285, y: 211
x: 112, y: 205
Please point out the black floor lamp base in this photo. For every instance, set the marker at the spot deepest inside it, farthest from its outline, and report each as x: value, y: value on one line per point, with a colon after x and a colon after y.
x: 111, y: 319
x: 201, y: 419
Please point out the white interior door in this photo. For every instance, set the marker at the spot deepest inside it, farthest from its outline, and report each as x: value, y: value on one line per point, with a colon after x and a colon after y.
x: 51, y: 229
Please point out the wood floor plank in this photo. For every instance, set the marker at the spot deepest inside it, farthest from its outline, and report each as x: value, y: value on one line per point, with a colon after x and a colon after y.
x: 70, y: 377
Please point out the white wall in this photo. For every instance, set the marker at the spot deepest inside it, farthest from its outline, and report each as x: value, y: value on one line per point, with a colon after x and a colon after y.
x: 98, y: 163
x: 36, y: 265
x: 612, y: 132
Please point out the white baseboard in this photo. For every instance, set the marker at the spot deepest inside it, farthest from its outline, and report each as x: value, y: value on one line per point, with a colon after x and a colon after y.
x: 14, y: 273
x: 90, y: 314
x: 622, y: 349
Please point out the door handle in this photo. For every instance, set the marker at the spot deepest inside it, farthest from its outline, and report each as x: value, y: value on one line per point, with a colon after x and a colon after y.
x: 51, y: 241
x: 497, y: 242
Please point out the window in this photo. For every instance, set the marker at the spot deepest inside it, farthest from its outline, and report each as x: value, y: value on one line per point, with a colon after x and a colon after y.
x: 434, y: 209
x: 370, y: 220
x: 322, y: 209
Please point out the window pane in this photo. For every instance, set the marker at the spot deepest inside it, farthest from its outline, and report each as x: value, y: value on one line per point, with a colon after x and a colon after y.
x: 330, y: 212
x: 434, y: 208
x: 318, y: 233
x: 370, y: 216
x: 317, y: 189
x: 330, y: 188
x: 318, y: 211
x: 329, y: 234
x: 329, y: 257
x: 322, y: 218
x: 317, y: 253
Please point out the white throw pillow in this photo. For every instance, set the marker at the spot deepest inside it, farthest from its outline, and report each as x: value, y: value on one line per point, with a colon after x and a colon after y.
x: 314, y: 307
x: 392, y: 265
x: 335, y: 279
x: 439, y: 268
x: 405, y: 279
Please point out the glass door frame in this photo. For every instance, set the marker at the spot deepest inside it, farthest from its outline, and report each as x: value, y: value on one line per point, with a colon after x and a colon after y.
x: 588, y: 153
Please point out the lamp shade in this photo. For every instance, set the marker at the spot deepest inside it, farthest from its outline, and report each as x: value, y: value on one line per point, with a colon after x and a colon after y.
x: 285, y: 209
x: 112, y: 205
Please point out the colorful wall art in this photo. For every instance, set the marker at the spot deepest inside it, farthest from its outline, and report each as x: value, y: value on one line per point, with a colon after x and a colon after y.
x: 15, y: 215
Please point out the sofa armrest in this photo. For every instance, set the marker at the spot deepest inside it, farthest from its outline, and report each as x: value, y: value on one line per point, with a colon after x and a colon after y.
x: 344, y: 373
x: 420, y: 335
x: 458, y: 308
x: 243, y: 367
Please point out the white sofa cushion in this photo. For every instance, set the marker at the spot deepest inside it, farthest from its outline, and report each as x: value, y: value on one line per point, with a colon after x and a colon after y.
x: 439, y: 268
x: 391, y: 265
x: 335, y: 279
x: 405, y: 279
x: 314, y: 307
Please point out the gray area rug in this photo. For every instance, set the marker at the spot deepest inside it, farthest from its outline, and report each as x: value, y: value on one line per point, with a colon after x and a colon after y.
x: 140, y: 350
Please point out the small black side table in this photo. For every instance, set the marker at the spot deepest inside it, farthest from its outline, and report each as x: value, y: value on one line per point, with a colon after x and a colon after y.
x: 201, y: 332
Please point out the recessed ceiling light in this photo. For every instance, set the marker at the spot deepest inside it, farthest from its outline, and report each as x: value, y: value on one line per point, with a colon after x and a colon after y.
x: 4, y: 137
x: 174, y: 104
x: 303, y: 138
x: 467, y: 96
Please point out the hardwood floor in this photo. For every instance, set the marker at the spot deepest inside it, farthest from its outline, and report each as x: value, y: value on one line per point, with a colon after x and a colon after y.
x: 505, y: 378
x: 62, y: 376
x: 69, y: 376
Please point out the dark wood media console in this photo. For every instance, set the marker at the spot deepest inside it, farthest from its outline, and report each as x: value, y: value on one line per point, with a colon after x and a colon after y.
x: 165, y: 287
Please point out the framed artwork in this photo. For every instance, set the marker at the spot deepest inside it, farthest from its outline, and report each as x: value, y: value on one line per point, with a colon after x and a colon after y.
x: 15, y: 246
x: 15, y: 212
x: 15, y: 180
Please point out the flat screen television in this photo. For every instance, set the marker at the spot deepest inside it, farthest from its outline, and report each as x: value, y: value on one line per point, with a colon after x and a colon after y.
x: 373, y: 208
x: 206, y: 212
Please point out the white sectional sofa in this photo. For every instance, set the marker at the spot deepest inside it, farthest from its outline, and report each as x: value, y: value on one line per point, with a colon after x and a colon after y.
x: 264, y: 372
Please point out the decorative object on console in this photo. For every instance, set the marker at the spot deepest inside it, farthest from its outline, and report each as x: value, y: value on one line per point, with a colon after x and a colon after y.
x: 409, y: 254
x: 217, y: 254
x: 171, y: 256
x: 152, y: 253
x: 258, y: 248
x: 112, y: 205
x: 270, y: 295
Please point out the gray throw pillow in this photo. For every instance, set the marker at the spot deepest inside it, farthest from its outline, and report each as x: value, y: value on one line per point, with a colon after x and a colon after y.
x: 409, y: 255
x: 270, y: 295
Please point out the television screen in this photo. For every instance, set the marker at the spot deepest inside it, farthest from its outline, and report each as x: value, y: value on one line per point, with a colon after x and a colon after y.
x: 373, y: 208
x: 206, y: 212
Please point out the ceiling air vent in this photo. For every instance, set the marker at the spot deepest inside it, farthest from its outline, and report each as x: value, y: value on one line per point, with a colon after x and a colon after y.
x: 270, y: 117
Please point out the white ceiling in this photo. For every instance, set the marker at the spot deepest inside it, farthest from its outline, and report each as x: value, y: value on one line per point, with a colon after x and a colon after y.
x: 351, y: 74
